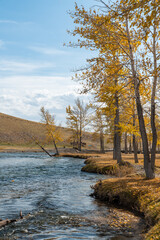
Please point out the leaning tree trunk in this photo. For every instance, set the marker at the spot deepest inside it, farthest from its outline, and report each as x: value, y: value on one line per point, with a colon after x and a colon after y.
x: 44, y: 149
x: 35, y: 140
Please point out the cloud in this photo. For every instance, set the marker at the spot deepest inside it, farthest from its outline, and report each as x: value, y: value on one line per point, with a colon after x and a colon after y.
x: 22, y: 67
x: 58, y: 85
x: 6, y: 21
x: 22, y: 95
x: 26, y: 104
x: 48, y: 51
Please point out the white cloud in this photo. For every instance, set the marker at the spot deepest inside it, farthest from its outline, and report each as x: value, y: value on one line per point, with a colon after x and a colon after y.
x: 22, y: 96
x: 56, y: 84
x: 22, y: 67
x: 48, y: 51
x: 26, y: 104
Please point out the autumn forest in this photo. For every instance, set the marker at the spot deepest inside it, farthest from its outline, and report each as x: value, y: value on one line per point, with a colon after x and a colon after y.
x: 124, y: 76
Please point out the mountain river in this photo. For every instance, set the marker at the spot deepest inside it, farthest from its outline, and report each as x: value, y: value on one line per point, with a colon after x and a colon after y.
x: 54, y: 197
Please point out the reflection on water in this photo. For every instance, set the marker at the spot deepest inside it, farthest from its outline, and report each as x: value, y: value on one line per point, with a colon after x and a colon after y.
x: 53, y: 195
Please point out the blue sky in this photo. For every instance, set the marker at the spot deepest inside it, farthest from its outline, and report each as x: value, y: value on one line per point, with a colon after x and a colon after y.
x: 35, y: 67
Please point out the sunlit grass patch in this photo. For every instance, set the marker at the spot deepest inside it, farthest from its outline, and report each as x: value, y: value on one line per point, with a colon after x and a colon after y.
x: 136, y: 194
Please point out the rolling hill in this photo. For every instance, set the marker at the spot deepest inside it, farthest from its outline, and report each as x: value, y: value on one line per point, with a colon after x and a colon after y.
x: 17, y: 132
x: 14, y: 130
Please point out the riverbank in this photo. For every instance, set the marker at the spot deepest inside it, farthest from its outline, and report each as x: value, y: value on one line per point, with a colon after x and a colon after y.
x: 35, y: 148
x: 104, y: 164
x: 129, y: 189
x: 136, y: 194
x: 63, y: 150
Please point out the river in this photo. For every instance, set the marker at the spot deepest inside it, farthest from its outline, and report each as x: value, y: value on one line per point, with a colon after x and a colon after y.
x: 54, y: 197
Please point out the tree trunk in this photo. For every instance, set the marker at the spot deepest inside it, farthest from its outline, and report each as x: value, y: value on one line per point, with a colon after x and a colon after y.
x: 115, y: 143
x: 153, y: 105
x: 118, y: 133
x: 55, y: 145
x: 140, y: 146
x: 101, y: 141
x: 125, y: 143
x: 80, y: 141
x: 147, y: 161
x: 130, y: 145
x: 135, y: 149
x: 44, y: 149
x: 134, y: 137
x: 80, y: 133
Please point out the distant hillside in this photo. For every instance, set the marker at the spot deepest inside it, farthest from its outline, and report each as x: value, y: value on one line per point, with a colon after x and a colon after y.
x: 17, y: 131
x: 14, y: 130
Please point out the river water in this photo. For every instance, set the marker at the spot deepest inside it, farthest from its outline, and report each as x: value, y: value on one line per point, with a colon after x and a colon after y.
x: 54, y: 197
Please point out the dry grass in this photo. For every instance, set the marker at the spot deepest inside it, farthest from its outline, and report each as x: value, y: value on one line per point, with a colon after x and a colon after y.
x: 136, y: 194
x: 104, y: 164
x: 15, y: 131
x: 14, y: 134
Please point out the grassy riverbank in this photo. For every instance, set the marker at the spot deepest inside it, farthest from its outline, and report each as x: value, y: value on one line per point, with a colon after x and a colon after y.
x: 132, y: 191
x: 136, y: 194
x: 104, y: 163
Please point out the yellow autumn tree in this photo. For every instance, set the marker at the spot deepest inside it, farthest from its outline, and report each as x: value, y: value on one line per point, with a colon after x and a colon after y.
x: 142, y: 25
x: 53, y: 133
x: 107, y: 70
x: 125, y: 27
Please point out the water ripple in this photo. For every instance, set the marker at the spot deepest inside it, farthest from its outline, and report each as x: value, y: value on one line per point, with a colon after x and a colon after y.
x: 53, y: 195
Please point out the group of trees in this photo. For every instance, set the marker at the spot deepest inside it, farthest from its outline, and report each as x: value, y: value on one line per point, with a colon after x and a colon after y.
x: 78, y: 120
x: 124, y: 75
